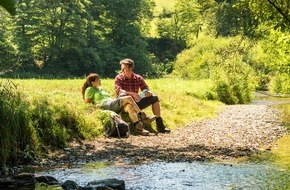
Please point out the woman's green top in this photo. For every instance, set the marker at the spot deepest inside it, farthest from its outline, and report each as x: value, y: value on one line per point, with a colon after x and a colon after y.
x: 97, y: 96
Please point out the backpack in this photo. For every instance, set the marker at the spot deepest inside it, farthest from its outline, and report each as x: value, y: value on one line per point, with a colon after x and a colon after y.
x: 115, y: 126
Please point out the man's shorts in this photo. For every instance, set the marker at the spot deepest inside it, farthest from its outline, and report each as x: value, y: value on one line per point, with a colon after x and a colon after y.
x: 147, y: 101
x: 113, y: 105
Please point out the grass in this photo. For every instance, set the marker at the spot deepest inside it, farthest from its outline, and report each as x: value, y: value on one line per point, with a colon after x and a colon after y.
x: 56, y: 113
x: 181, y: 101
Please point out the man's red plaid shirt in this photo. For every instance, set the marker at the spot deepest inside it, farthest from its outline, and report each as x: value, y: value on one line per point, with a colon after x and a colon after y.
x: 130, y: 84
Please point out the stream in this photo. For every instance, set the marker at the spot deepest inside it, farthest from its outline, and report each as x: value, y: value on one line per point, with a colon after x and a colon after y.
x: 196, y: 175
x: 271, y: 174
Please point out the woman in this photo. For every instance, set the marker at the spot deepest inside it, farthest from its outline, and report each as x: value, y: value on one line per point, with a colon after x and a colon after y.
x: 93, y: 93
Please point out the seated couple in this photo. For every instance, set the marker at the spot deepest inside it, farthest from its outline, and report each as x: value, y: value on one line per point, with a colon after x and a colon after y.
x: 127, y: 86
x: 93, y: 93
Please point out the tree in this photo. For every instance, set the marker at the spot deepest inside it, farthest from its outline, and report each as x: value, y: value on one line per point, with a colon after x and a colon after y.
x: 8, y: 49
x: 183, y: 23
x: 121, y: 24
x: 273, y: 13
x: 8, y: 5
x: 56, y: 39
x: 231, y: 20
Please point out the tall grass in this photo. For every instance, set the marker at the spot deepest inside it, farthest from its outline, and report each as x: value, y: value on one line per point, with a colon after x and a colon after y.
x: 50, y: 113
x: 16, y: 129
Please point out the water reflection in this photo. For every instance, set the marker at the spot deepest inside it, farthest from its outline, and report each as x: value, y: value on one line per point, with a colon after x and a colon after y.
x: 282, y: 148
x: 285, y: 111
x: 281, y: 152
x: 264, y: 99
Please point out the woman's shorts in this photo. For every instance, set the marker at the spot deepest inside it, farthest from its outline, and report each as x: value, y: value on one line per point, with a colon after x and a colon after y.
x: 113, y: 105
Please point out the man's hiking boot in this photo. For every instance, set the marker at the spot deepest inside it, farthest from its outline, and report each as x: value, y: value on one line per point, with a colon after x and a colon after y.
x: 145, y: 119
x: 139, y: 129
x: 160, y: 126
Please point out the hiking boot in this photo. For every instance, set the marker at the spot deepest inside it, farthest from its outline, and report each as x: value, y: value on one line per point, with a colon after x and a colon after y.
x: 139, y: 129
x: 145, y: 119
x: 160, y: 126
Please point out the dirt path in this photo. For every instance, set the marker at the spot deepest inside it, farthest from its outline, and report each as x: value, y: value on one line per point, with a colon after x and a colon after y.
x: 238, y: 130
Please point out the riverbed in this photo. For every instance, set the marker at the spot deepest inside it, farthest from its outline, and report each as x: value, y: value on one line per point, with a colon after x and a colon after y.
x: 249, y: 151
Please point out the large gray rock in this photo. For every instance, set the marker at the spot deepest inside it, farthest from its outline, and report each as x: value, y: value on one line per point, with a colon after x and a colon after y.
x: 27, y: 181
x: 111, y: 183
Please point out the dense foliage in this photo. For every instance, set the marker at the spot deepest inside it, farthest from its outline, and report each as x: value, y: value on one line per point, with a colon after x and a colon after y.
x: 231, y: 47
x: 72, y: 38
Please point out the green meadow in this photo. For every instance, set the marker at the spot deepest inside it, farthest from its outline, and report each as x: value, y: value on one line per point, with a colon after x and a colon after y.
x: 50, y: 113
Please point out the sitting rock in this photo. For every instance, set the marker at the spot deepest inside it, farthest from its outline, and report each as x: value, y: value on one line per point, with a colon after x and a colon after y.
x: 49, y: 180
x: 21, y: 180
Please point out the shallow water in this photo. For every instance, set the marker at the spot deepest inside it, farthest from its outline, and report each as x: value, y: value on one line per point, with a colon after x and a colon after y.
x: 183, y: 176
x: 196, y: 175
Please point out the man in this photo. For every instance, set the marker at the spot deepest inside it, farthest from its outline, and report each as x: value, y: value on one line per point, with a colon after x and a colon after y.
x: 129, y: 83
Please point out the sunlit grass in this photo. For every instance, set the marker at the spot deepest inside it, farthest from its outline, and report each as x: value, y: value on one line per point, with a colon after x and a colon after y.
x: 178, y: 98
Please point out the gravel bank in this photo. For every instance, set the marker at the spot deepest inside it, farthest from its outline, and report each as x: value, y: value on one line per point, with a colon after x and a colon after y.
x: 238, y: 130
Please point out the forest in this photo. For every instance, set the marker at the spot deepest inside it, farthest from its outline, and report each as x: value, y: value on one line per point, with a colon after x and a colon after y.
x: 210, y: 50
x: 192, y: 39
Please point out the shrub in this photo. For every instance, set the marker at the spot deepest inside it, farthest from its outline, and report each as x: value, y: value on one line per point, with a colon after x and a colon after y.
x: 225, y: 93
x: 48, y: 129
x: 280, y: 84
x: 225, y: 62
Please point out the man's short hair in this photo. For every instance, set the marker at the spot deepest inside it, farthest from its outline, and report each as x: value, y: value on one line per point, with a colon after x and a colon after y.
x: 127, y: 61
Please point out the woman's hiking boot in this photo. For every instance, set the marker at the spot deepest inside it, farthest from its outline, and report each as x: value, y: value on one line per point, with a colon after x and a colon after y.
x: 139, y: 129
x: 160, y: 126
x: 145, y: 119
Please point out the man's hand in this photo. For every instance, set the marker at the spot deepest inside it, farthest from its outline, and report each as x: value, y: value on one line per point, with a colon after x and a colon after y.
x: 135, y: 96
x: 148, y: 94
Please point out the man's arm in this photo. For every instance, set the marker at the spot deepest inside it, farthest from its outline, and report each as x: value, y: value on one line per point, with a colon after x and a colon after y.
x: 143, y: 86
x: 118, y: 88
